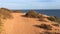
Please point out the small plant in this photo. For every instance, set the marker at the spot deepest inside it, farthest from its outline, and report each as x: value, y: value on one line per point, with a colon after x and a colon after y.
x: 44, y: 26
x: 47, y: 27
x: 46, y: 32
x: 58, y: 21
x: 52, y: 18
x: 56, y: 25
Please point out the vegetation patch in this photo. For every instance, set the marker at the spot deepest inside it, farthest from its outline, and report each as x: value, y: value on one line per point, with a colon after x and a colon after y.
x: 54, y: 19
x: 47, y: 27
x: 17, y: 11
x: 58, y: 21
x: 5, y: 13
x: 1, y: 24
x: 32, y: 14
x: 56, y: 25
x: 44, y: 26
x: 46, y: 32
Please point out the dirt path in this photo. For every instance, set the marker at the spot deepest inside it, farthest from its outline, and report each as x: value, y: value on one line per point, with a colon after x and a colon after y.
x: 20, y: 25
x: 23, y: 25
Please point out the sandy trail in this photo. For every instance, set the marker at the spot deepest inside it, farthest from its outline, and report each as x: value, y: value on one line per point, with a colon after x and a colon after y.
x: 20, y: 25
x: 24, y: 25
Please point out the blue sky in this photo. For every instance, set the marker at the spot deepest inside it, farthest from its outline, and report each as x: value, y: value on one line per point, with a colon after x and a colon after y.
x: 30, y: 4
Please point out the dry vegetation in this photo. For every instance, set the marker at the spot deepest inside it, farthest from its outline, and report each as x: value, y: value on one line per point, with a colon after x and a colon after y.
x: 32, y: 14
x: 44, y: 26
x: 4, y: 14
x: 46, y: 32
x: 16, y: 11
x: 1, y: 25
x: 54, y: 19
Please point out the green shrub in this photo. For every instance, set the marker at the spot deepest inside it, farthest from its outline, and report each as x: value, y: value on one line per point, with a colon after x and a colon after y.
x: 52, y: 18
x: 32, y: 14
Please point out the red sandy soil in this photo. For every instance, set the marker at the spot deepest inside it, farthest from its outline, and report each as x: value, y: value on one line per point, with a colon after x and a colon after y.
x: 23, y: 25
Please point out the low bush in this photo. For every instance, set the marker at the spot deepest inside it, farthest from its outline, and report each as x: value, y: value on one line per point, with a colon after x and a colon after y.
x: 32, y: 14
x: 58, y: 21
x: 56, y: 25
x: 44, y: 26
x: 52, y: 18
x: 47, y: 27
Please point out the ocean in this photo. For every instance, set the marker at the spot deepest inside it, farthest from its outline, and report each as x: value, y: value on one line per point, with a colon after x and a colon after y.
x: 50, y: 12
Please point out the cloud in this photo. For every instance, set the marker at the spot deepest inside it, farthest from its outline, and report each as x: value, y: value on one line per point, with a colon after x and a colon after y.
x: 43, y: 0
x: 30, y: 4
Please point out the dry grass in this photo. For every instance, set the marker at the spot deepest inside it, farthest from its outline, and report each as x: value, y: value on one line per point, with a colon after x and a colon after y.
x: 1, y: 24
x: 16, y: 11
x: 5, y: 13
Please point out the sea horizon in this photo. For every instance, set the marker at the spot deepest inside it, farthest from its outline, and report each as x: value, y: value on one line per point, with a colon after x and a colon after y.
x: 50, y: 12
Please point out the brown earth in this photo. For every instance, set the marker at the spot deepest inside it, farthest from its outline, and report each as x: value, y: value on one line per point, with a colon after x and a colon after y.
x: 25, y: 25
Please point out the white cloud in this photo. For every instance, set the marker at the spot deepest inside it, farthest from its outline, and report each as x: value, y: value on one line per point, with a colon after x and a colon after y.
x: 32, y: 4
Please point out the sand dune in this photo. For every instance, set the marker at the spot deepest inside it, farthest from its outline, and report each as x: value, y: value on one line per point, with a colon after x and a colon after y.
x: 23, y: 25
